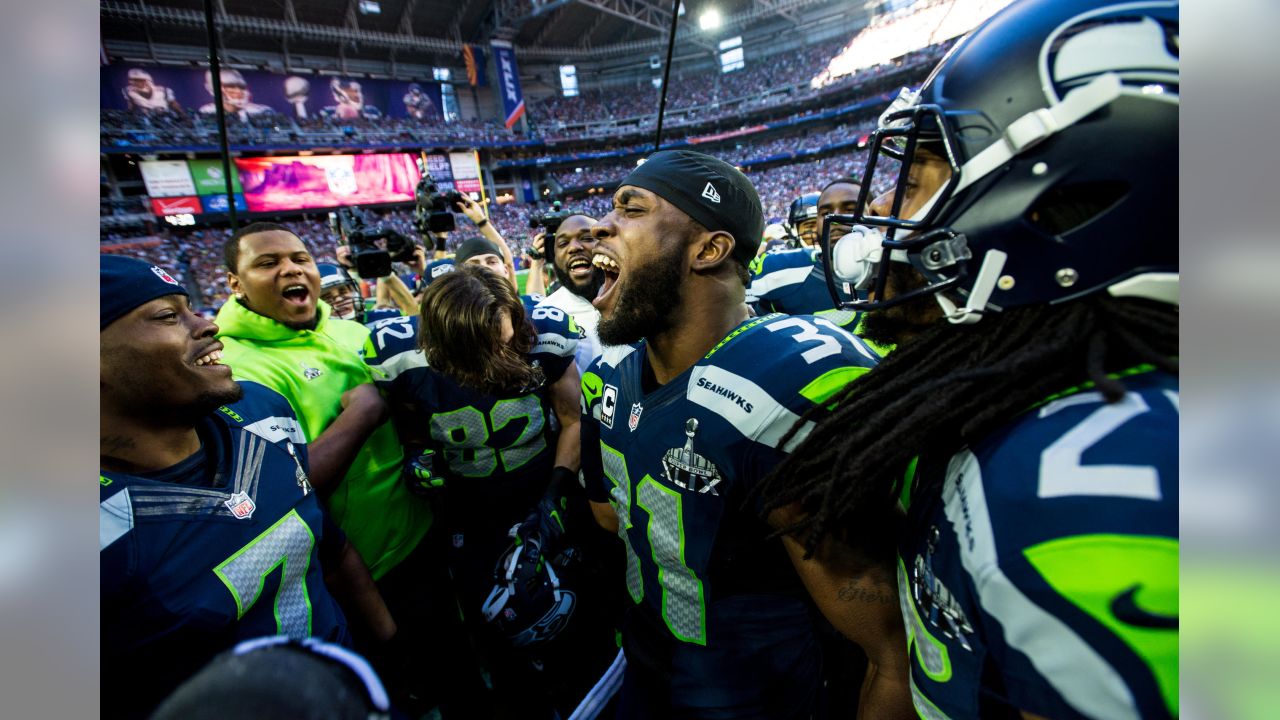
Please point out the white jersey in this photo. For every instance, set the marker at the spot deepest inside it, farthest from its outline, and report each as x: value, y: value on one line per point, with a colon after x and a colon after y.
x: 587, y: 318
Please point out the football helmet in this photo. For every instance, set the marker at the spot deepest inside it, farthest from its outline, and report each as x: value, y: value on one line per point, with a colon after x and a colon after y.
x: 803, y: 210
x: 235, y: 91
x: 436, y: 269
x: 346, y: 306
x: 528, y: 604
x: 1058, y: 120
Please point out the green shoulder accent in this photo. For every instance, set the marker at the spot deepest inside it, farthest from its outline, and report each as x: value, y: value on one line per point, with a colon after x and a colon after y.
x: 880, y: 349
x: 592, y: 387
x: 907, y: 480
x: 103, y: 480
x: 231, y: 413
x: 841, y: 318
x: 1129, y: 584
x: 738, y: 332
x: 831, y: 382
x: 756, y: 265
x: 1136, y: 370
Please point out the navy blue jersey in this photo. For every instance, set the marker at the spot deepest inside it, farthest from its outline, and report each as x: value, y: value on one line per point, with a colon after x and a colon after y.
x: 1044, y: 575
x: 677, y: 464
x: 373, y: 316
x: 218, y: 549
x: 498, y: 446
x: 531, y: 301
x: 791, y: 282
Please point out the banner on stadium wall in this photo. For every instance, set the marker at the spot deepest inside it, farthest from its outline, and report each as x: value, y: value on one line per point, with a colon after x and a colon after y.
x: 466, y: 172
x: 508, y: 82
x: 526, y: 186
x: 218, y: 203
x: 473, y: 58
x: 251, y: 94
x: 440, y: 171
x: 167, y: 178
x: 176, y: 206
x: 209, y: 179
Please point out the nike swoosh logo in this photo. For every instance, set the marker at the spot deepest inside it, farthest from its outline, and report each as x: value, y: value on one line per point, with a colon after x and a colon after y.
x: 1125, y: 608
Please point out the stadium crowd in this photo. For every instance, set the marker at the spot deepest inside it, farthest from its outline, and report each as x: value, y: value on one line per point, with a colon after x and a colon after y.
x: 687, y: 465
x: 748, y: 149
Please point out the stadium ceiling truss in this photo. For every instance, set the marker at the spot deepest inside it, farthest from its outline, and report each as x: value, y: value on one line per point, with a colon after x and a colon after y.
x: 646, y: 16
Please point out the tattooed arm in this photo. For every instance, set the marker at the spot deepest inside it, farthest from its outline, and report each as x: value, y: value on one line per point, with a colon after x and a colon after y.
x: 859, y: 597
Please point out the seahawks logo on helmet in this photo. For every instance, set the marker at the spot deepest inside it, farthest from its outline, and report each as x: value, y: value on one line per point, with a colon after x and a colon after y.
x: 527, y: 604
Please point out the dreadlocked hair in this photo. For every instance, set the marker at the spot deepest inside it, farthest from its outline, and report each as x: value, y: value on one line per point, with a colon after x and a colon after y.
x: 946, y: 388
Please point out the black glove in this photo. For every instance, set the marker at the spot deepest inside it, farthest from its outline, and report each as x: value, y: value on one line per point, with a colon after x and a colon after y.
x: 420, y: 476
x: 547, y: 518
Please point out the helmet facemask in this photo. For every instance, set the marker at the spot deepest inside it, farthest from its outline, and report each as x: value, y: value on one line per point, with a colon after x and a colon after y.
x: 861, y: 256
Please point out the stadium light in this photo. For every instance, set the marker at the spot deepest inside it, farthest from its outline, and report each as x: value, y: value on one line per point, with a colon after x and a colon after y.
x: 710, y: 19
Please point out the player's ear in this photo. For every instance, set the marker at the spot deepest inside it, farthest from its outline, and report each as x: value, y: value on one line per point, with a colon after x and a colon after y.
x: 233, y: 283
x: 711, y: 250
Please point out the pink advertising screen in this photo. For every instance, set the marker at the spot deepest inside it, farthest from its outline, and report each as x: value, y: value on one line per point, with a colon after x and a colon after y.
x: 295, y: 183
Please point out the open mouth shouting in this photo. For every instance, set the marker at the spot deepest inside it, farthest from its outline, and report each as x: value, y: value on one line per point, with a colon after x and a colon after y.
x: 296, y: 294
x: 606, y: 298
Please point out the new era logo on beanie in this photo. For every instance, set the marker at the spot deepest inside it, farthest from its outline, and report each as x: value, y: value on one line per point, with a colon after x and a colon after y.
x: 709, y: 190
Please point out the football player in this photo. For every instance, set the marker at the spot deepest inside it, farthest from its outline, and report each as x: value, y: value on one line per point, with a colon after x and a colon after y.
x: 570, y: 256
x: 205, y: 494
x: 688, y: 408
x: 802, y: 220
x: 340, y: 291
x: 142, y: 93
x: 348, y: 98
x: 418, y: 104
x: 479, y: 388
x: 793, y: 282
x: 1028, y: 421
x: 237, y: 99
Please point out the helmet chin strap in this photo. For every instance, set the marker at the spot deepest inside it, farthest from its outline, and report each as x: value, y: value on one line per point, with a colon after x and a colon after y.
x: 992, y: 265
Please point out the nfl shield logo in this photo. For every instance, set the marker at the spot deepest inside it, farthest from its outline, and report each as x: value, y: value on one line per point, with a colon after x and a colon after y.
x: 241, y: 506
x: 160, y: 273
x: 457, y: 540
x: 635, y: 416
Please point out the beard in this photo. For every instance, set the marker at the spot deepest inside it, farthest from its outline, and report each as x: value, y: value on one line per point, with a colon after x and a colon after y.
x: 587, y: 290
x: 900, y: 323
x: 647, y: 302
x: 207, y: 402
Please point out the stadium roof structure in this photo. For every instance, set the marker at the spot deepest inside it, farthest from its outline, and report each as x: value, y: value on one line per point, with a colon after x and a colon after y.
x: 418, y: 30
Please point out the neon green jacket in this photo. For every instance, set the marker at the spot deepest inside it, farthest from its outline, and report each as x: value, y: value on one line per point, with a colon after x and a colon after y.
x: 313, y: 368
